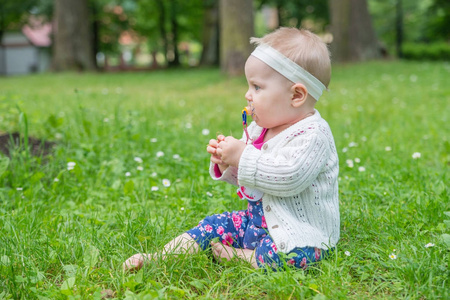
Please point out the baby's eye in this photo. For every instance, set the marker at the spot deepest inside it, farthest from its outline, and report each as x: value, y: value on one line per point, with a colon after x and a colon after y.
x: 257, y: 87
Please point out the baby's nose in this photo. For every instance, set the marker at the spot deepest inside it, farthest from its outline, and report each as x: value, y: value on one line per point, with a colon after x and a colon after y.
x: 248, y: 96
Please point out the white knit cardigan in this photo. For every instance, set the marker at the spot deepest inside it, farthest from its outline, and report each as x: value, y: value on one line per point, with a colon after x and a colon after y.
x: 297, y: 170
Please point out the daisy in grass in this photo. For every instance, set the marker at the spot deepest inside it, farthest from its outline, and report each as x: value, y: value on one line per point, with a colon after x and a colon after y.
x: 166, y: 182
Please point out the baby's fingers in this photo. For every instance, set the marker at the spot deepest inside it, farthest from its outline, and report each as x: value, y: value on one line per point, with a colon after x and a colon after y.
x: 220, y: 137
x: 213, y: 143
x: 211, y: 150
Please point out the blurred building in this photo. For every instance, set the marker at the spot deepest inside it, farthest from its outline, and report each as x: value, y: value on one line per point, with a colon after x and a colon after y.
x: 26, y: 51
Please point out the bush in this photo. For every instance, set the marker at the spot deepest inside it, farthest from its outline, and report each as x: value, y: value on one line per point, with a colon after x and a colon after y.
x: 434, y: 51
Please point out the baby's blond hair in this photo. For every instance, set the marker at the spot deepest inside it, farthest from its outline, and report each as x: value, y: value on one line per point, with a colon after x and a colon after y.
x: 303, y: 47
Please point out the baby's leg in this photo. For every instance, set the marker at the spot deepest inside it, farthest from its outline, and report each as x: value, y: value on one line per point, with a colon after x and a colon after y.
x: 221, y: 251
x: 183, y: 243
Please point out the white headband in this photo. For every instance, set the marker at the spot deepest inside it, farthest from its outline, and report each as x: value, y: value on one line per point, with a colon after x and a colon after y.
x: 289, y: 69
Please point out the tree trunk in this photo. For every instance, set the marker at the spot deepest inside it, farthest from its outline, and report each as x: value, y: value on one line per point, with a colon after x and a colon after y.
x: 399, y: 28
x: 210, y: 38
x: 73, y: 42
x: 354, y: 38
x: 174, y: 26
x: 162, y: 27
x: 236, y: 28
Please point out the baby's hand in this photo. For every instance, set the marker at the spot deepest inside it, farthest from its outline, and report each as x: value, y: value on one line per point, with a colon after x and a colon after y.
x: 212, y: 149
x: 230, y: 151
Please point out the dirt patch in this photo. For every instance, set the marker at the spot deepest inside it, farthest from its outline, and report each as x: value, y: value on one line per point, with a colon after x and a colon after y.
x: 9, y: 141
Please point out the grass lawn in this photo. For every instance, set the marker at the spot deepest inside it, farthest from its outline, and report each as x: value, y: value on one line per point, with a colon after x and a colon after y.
x: 129, y: 172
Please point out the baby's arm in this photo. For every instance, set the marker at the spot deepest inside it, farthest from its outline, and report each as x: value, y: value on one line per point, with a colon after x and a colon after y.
x: 287, y: 171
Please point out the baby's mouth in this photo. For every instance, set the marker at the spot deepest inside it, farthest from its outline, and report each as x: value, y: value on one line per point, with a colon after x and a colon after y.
x: 251, y: 109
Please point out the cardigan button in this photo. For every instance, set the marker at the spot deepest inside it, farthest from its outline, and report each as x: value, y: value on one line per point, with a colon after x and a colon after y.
x: 282, y: 245
x: 268, y: 208
x: 265, y: 146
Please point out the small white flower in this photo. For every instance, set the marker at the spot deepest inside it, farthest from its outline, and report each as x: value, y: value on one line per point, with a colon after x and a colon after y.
x: 153, y: 140
x: 71, y: 165
x: 416, y: 155
x: 138, y: 160
x: 155, y: 188
x: 357, y: 160
x: 56, y: 180
x: 19, y: 189
x: 364, y: 139
x: 159, y: 154
x: 388, y: 148
x: 140, y: 168
x: 127, y: 174
x: 353, y: 144
x: 429, y: 245
x: 347, y: 253
x: 361, y: 169
x: 181, y: 208
x: 205, y: 131
x: 209, y: 194
x: 344, y: 149
x: 166, y: 182
x: 349, y: 163
x: 176, y: 156
x: 154, y: 174
x: 106, y: 120
x: 188, y: 125
x: 393, y: 256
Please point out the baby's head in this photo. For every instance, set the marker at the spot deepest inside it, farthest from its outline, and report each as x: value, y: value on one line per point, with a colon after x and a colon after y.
x: 302, y: 47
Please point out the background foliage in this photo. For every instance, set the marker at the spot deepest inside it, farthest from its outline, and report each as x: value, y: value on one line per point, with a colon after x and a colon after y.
x: 164, y: 24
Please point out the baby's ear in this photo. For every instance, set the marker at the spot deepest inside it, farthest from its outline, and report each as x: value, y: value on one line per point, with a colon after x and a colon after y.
x: 299, y: 94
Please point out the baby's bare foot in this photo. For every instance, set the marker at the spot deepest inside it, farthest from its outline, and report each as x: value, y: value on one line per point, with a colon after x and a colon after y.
x: 136, y: 262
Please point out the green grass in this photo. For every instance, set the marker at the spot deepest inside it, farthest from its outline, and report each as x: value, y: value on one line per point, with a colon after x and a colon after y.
x: 64, y: 233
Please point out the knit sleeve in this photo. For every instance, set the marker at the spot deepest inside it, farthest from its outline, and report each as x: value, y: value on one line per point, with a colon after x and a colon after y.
x: 229, y: 175
x: 285, y: 171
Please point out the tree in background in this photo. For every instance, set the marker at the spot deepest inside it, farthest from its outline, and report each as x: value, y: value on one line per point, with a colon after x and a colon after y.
x: 210, y: 34
x: 111, y: 19
x: 72, y: 47
x: 236, y: 28
x: 13, y: 14
x: 412, y: 22
x: 165, y: 23
x: 354, y: 38
x: 291, y: 13
x: 438, y: 16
